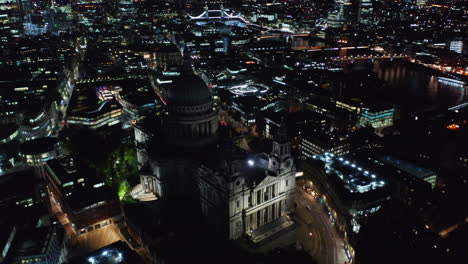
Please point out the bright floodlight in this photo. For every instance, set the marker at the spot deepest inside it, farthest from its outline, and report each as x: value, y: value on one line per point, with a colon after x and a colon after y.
x: 105, y: 253
x: 250, y: 162
x: 91, y: 260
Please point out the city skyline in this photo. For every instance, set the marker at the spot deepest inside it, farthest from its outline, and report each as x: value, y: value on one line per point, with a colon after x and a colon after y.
x: 233, y: 131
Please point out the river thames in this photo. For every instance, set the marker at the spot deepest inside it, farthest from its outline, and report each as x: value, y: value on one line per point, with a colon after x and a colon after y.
x: 411, y: 86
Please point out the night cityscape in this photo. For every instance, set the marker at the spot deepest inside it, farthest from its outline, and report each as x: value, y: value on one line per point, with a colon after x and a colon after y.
x: 233, y: 131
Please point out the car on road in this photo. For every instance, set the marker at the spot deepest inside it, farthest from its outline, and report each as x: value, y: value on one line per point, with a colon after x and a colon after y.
x: 308, y: 208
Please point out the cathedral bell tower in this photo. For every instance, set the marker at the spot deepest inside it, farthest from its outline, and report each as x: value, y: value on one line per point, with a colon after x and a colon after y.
x: 280, y: 160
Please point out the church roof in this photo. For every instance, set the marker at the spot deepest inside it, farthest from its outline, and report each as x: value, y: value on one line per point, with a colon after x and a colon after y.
x: 188, y: 89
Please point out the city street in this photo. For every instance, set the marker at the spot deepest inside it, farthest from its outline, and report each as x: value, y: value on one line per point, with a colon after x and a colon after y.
x: 316, y: 231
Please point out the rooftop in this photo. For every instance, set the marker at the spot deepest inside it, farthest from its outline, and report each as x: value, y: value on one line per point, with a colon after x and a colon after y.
x: 83, y: 199
x: 188, y: 89
x: 115, y: 253
x: 254, y: 168
x: 411, y: 168
x: 325, y: 138
x: 13, y: 187
x: 39, y: 145
x: 355, y: 177
x: 32, y: 241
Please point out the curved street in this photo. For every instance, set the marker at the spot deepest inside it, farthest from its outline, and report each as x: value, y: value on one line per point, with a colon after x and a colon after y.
x: 316, y: 232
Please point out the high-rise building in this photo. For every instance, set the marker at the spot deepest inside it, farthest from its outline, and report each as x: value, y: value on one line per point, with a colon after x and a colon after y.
x: 456, y: 46
x: 365, y: 11
x: 11, y: 17
x: 341, y: 15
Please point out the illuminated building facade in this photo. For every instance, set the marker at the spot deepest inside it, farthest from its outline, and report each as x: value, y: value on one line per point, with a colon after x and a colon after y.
x: 249, y: 193
x: 373, y: 115
x: 456, y: 46
x: 377, y: 117
x: 337, y: 19
x: 40, y: 121
x: 11, y: 17
x: 108, y: 114
x: 421, y: 2
x: 92, y: 209
x: 9, y: 148
x: 353, y: 107
x: 270, y: 128
x: 365, y: 11
x: 318, y: 143
x: 38, y: 151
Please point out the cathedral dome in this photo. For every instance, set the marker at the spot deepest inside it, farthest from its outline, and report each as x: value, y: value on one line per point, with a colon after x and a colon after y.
x: 188, y: 89
x: 191, y: 119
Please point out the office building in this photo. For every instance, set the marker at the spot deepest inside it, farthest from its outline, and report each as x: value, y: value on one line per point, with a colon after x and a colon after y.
x: 320, y: 142
x: 377, y: 116
x: 38, y: 245
x: 9, y: 148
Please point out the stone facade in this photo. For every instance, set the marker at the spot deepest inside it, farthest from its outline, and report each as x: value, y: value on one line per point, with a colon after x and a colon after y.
x: 236, y: 192
x: 233, y: 197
